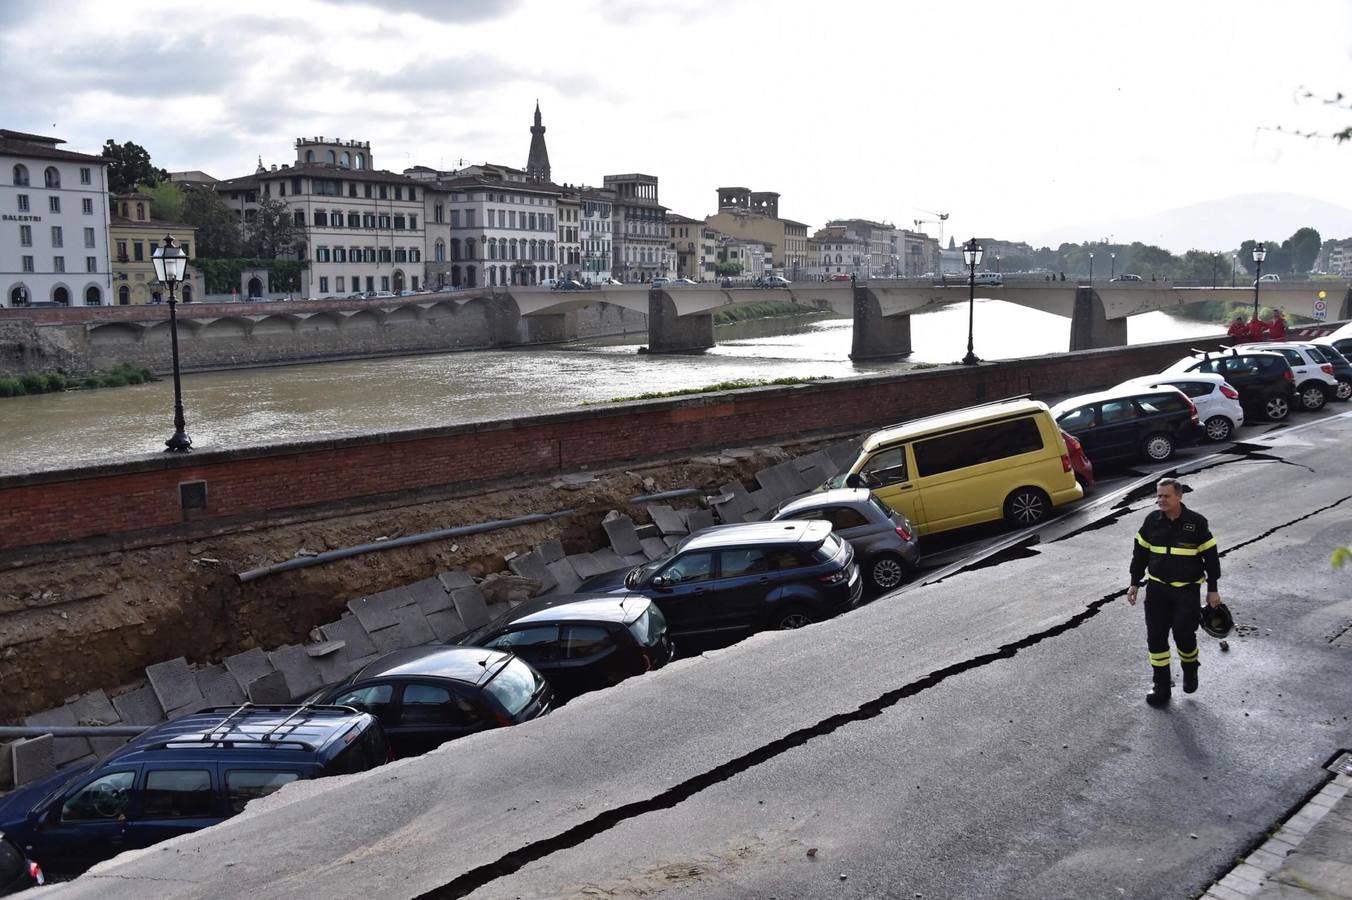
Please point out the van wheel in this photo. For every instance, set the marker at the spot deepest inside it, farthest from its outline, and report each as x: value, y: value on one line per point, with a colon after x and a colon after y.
x: 1344, y: 392
x: 1312, y: 397
x: 1158, y: 447
x: 1218, y: 428
x: 1027, y: 506
x: 1276, y: 408
x: 791, y: 618
x: 887, y: 572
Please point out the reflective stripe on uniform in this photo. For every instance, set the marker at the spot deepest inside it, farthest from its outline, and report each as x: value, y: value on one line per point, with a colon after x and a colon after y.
x: 1176, y: 583
x: 1175, y: 551
x: 1188, y: 656
x: 1161, y: 659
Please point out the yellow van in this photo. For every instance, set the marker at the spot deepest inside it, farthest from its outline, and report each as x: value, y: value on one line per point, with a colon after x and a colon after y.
x: 1000, y: 460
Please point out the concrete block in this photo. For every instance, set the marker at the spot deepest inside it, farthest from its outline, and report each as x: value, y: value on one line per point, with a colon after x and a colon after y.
x: 764, y: 504
x: 778, y: 481
x: 470, y: 604
x: 667, y: 520
x: 93, y: 708
x: 653, y: 547
x: 430, y: 595
x: 456, y: 578
x: 349, y: 631
x: 378, y: 610
x: 248, y: 667
x: 324, y: 648
x: 337, y: 664
x: 698, y: 519
x: 813, y: 478
x: 843, y: 454
x: 447, y: 625
x: 33, y: 758
x: 64, y: 750
x: 565, y: 578
x: 634, y: 559
x: 6, y: 765
x: 623, y: 536
x: 174, y: 684
x: 532, y: 565
x: 269, y: 688
x: 586, y: 565
x: 409, y: 630
x: 609, y: 560
x: 302, y: 677
x: 730, y: 512
x: 671, y: 540
x: 219, y: 687
x: 550, y: 551
x: 818, y: 459
x: 139, y: 707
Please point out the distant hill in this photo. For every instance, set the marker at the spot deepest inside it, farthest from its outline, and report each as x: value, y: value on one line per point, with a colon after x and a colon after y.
x: 1216, y: 224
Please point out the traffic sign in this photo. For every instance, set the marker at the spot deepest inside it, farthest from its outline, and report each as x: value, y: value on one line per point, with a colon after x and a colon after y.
x: 1321, y: 310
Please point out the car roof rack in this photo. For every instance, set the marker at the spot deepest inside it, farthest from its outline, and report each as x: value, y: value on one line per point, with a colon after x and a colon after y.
x: 221, y: 734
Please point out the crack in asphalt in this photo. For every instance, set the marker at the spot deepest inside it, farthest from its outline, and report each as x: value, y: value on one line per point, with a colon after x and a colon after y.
x: 514, y: 861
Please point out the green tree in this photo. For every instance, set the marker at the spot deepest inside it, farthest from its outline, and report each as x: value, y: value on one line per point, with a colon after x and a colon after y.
x: 728, y: 269
x: 1278, y: 257
x: 217, y: 226
x: 1204, y: 267
x: 129, y: 167
x: 273, y: 231
x: 1303, y: 247
x: 166, y: 201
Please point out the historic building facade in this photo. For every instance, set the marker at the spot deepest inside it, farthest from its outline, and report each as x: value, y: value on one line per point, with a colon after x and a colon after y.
x: 754, y: 215
x: 133, y: 236
x: 639, y: 241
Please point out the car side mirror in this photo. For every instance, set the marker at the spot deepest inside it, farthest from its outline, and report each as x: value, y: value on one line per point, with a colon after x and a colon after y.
x: 661, y: 582
x: 854, y: 480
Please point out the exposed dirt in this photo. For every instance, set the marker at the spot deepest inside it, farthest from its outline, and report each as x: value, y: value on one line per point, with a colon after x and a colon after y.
x: 97, y: 619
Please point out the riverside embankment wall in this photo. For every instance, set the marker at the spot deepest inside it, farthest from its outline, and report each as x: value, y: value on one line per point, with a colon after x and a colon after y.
x: 162, y: 492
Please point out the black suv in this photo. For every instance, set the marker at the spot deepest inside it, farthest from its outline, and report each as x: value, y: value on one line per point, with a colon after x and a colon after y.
x: 181, y: 776
x: 1265, y: 381
x: 1124, y: 423
x: 745, y: 578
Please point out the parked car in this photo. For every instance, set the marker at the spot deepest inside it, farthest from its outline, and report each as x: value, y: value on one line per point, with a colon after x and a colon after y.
x: 745, y: 578
x: 676, y: 281
x: 610, y: 281
x: 839, y: 276
x: 426, y: 696
x: 566, y: 284
x: 1126, y: 276
x: 1218, y: 406
x: 989, y: 279
x: 726, y: 283
x: 1342, y: 367
x: 773, y: 281
x: 1266, y: 384
x: 17, y: 872
x: 883, y: 540
x: 1079, y: 462
x: 656, y: 283
x: 182, y: 776
x: 1130, y: 422
x: 379, y: 295
x: 1268, y: 277
x: 581, y: 642
x: 1315, y: 382
x: 967, y: 467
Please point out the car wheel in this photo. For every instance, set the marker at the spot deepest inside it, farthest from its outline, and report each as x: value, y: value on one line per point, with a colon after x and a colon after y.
x: 1218, y: 428
x: 791, y: 618
x: 1344, y: 391
x: 1276, y: 408
x: 1312, y: 397
x: 1027, y: 506
x: 887, y: 571
x: 1157, y: 447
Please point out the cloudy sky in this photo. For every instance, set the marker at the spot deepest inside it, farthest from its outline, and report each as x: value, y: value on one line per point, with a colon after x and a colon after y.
x: 1017, y: 119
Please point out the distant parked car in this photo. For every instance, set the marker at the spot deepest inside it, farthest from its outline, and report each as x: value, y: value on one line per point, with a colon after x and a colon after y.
x: 774, y: 281
x: 1315, y: 381
x: 839, y: 276
x: 610, y: 281
x: 1218, y: 406
x: 1268, y: 277
x: 567, y: 284
x: 1265, y: 381
x: 425, y: 696
x: 675, y: 281
x: 581, y: 642
x: 884, y: 542
x: 656, y: 283
x: 1342, y: 368
x: 1128, y: 277
x: 1125, y: 423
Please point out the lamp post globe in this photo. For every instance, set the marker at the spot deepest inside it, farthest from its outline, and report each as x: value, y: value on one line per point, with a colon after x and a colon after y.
x: 971, y: 254
x: 170, y: 263
x: 1259, y: 254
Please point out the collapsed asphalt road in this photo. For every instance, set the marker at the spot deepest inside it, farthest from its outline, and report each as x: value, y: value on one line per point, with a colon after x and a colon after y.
x: 979, y: 736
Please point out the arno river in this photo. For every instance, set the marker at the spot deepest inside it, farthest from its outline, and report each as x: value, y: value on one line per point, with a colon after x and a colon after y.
x: 291, y: 403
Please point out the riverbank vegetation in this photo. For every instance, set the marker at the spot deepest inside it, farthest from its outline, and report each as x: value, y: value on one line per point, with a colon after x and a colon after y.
x: 713, y: 388
x: 766, y: 310
x: 1223, y: 312
x: 52, y: 382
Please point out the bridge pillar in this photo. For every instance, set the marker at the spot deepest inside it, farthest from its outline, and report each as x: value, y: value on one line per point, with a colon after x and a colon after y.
x: 672, y: 333
x: 552, y: 328
x: 877, y: 336
x: 1090, y: 327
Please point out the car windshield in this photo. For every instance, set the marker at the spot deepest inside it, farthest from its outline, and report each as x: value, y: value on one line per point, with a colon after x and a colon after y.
x: 641, y: 574
x: 514, y: 685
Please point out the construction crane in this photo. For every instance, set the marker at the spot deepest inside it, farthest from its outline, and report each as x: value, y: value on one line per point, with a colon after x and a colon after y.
x: 942, y: 218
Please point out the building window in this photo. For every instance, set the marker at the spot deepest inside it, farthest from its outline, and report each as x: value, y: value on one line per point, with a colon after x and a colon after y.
x: 20, y: 176
x: 400, y: 255
x: 140, y: 212
x: 351, y: 192
x: 332, y: 157
x: 415, y: 255
x: 339, y: 255
x: 385, y: 255
x: 298, y: 217
x: 87, y: 206
x: 295, y: 185
x: 25, y: 235
x: 51, y: 177
x: 340, y: 283
x: 138, y: 251
x: 437, y: 212
x: 61, y: 295
x: 361, y: 160
x: 353, y: 220
x: 399, y: 192
x: 384, y: 192
x: 469, y: 249
x: 439, y: 251
x: 28, y: 263
x: 399, y: 223
x: 57, y: 239
x: 321, y: 218
x: 368, y: 220
x: 366, y: 191
x: 58, y: 264
x: 455, y: 218
x: 91, y: 264
x: 322, y: 254
x: 384, y: 282
x: 413, y: 195
x: 323, y: 284
x: 121, y: 251
x: 370, y: 254
x: 54, y: 204
x: 347, y: 160
x: 413, y: 222
x: 281, y: 189
x: 124, y: 296
x: 23, y: 202
x: 89, y: 237
x: 93, y: 296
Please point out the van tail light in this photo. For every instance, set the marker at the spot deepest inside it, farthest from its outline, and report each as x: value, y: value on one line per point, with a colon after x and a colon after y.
x: 834, y: 578
x: 1326, y: 369
x: 1227, y: 391
x: 1065, y: 462
x: 35, y: 873
x: 1289, y: 376
x: 903, y: 532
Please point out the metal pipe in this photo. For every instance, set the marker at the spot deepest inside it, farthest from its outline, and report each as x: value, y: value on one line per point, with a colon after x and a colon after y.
x: 30, y: 731
x: 666, y: 495
x: 408, y: 540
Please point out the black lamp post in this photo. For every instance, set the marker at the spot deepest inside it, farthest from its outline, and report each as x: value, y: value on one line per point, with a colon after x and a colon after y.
x: 1259, y: 254
x: 997, y: 264
x: 170, y: 262
x: 971, y: 254
x: 1112, y: 274
x: 1091, y: 268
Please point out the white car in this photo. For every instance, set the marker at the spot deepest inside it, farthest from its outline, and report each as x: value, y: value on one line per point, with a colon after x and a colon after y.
x: 1329, y: 347
x: 682, y: 281
x: 1315, y: 383
x: 1217, y: 403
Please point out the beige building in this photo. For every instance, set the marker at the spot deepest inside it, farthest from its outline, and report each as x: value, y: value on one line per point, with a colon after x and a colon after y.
x: 754, y: 215
x: 839, y: 250
x: 133, y: 236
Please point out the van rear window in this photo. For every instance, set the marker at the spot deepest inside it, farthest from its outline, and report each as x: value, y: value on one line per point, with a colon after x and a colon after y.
x: 977, y: 445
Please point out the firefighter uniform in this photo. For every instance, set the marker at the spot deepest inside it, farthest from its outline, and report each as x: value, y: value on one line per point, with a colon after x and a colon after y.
x: 1174, y: 557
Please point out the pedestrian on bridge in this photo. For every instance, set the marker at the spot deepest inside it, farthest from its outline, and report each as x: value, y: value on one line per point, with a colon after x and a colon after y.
x: 1257, y: 329
x: 1238, y: 330
x: 1277, y: 327
x: 1176, y: 553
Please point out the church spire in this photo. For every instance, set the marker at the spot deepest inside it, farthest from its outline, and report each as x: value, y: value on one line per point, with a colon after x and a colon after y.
x: 537, y: 164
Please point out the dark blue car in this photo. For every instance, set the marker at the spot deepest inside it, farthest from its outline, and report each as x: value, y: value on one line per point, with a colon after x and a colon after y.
x: 181, y: 776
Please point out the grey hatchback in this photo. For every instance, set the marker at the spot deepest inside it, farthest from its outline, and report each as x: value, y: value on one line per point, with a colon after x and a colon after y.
x: 883, y: 540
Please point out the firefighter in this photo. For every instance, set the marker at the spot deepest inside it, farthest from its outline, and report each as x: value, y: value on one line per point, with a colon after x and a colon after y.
x: 1257, y: 329
x: 1176, y: 554
x: 1277, y: 327
x: 1238, y: 332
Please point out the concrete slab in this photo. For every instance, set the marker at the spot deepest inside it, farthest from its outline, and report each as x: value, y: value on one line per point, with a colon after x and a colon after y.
x: 430, y: 594
x: 698, y: 519
x: 635, y: 559
x: 818, y: 459
x: 550, y: 551
x: 302, y: 676
x: 338, y: 664
x: 813, y: 478
x: 653, y: 548
x: 349, y: 631
x: 139, y: 707
x: 667, y: 520
x: 609, y: 560
x: 585, y: 565
x: 843, y: 454
x: 218, y: 686
x: 564, y: 576
x: 532, y: 565
x: 780, y: 480
x: 446, y: 625
x: 33, y: 758
x: 730, y: 512
x: 456, y: 578
x: 623, y: 536
x: 470, y: 604
x: 93, y: 708
x: 270, y: 688
x: 324, y: 648
x: 377, y: 611
x: 764, y: 503
x: 248, y: 667
x: 413, y: 627
x: 6, y: 765
x: 67, y: 749
x: 174, y: 685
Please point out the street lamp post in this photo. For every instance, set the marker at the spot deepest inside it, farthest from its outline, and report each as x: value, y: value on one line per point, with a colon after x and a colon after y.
x: 1234, y: 264
x: 1113, y: 272
x: 1091, y: 268
x: 971, y: 254
x: 997, y: 264
x: 170, y: 262
x: 1259, y: 254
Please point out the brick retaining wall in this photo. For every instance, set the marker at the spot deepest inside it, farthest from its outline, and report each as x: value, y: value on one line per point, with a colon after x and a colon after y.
x: 135, y: 495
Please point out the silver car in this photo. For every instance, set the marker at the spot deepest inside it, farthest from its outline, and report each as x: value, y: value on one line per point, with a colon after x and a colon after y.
x: 883, y: 540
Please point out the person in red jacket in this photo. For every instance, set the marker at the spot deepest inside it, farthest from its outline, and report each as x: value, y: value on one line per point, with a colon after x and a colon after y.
x: 1277, y: 328
x: 1239, y: 332
x: 1257, y: 329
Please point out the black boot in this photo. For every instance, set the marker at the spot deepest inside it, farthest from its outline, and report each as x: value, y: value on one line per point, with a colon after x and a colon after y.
x: 1189, y: 678
x: 1159, y: 693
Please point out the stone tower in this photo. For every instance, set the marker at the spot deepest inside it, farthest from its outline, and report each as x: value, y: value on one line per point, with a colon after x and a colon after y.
x: 537, y: 164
